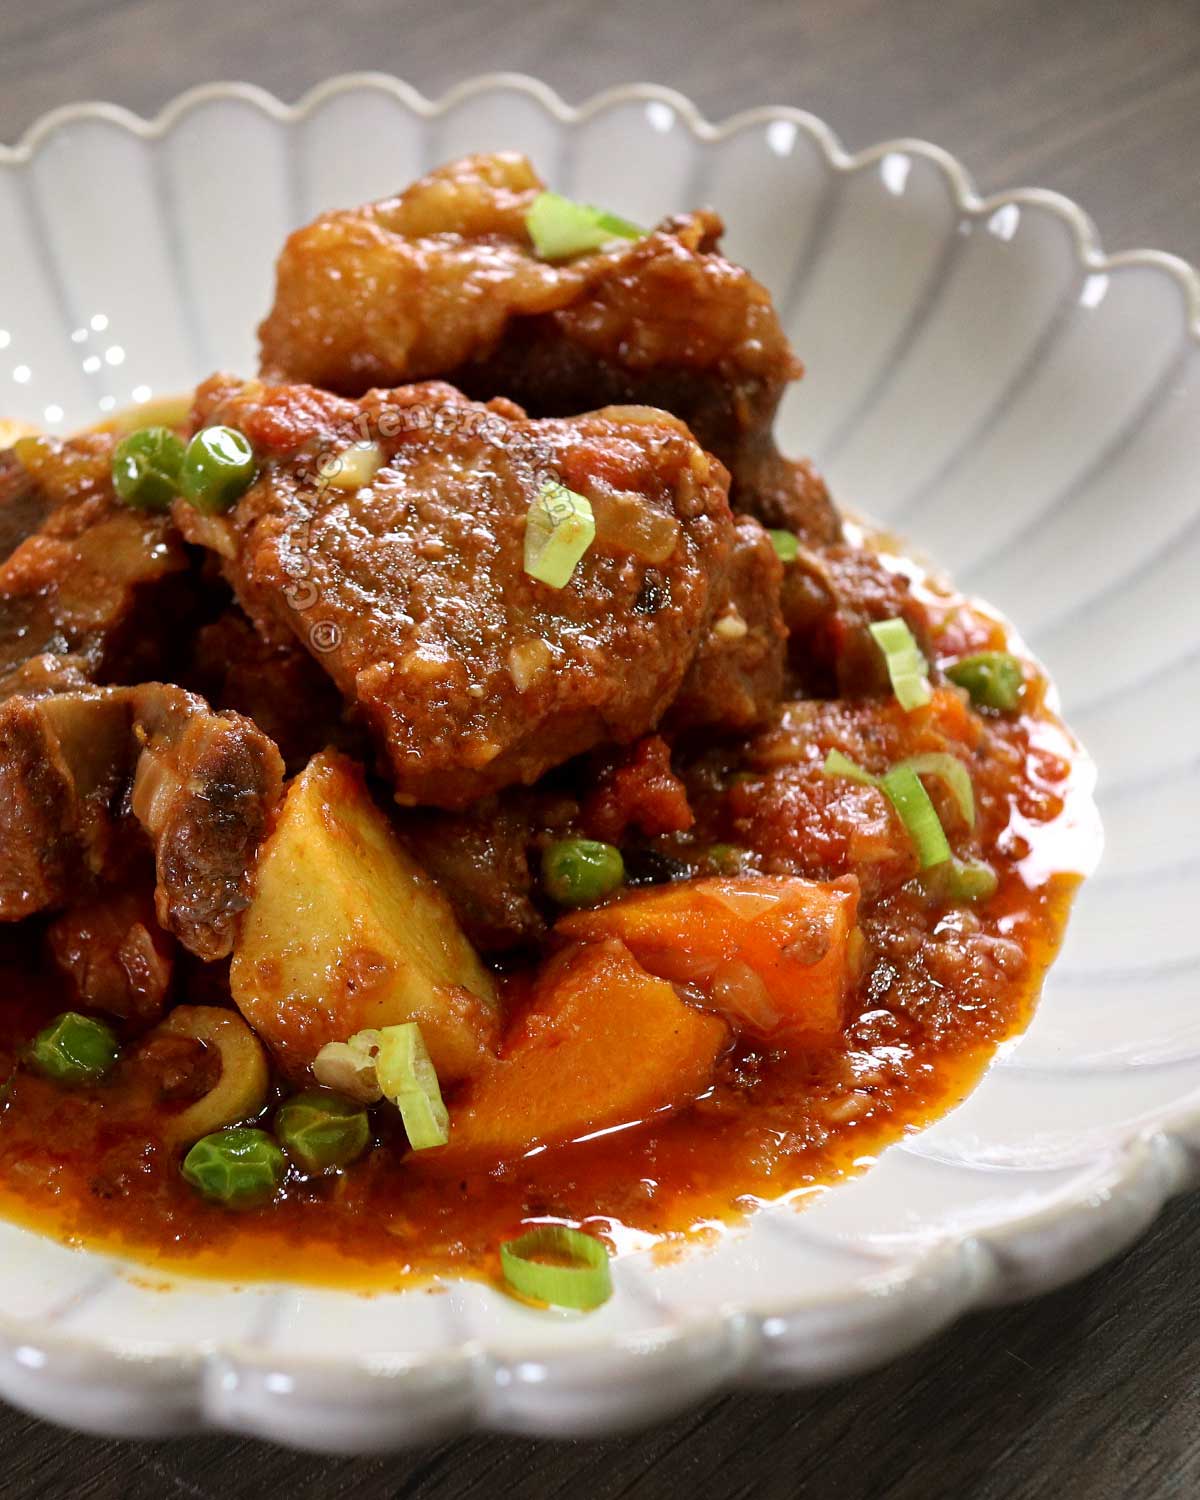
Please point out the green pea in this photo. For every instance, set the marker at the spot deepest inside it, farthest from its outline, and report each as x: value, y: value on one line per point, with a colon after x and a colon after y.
x: 145, y: 468
x: 74, y: 1049
x: 321, y: 1130
x: 786, y: 544
x: 240, y: 1167
x: 576, y: 872
x: 993, y: 678
x: 218, y: 469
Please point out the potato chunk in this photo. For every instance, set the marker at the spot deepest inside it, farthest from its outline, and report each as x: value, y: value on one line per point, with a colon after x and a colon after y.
x: 346, y: 931
x: 603, y: 1044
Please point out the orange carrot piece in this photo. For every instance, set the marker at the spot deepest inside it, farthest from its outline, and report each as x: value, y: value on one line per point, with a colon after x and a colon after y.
x: 773, y: 952
x: 603, y: 1044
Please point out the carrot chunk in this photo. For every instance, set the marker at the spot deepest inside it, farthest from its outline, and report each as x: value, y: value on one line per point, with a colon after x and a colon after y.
x: 773, y: 952
x: 603, y: 1044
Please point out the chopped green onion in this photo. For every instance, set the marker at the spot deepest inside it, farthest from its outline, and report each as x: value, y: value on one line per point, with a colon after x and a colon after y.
x: 907, y: 667
x: 902, y: 786
x: 560, y: 228
x: 239, y: 1168
x: 918, y: 814
x: 577, y: 872
x: 218, y: 468
x: 786, y: 544
x: 74, y: 1049
x: 960, y: 880
x: 837, y: 764
x: 950, y: 769
x: 993, y: 678
x: 562, y: 1266
x: 559, y: 529
x: 145, y: 468
x: 408, y: 1078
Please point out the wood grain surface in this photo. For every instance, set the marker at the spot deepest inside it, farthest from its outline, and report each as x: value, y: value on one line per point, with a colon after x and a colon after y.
x: 1092, y: 1393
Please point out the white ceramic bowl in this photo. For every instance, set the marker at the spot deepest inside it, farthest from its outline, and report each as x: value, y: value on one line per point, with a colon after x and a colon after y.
x: 981, y: 377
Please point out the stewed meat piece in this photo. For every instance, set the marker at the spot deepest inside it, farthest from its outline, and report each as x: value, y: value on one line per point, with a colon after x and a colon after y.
x: 737, y: 676
x: 483, y: 860
x: 443, y: 281
x: 205, y: 790
x: 87, y: 776
x: 45, y: 674
x: 113, y: 953
x: 94, y: 579
x: 24, y: 505
x: 401, y: 567
x: 274, y: 682
x: 64, y: 763
x: 831, y: 597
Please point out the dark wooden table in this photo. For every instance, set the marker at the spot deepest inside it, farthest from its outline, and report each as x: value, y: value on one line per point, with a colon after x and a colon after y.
x: 1089, y: 1394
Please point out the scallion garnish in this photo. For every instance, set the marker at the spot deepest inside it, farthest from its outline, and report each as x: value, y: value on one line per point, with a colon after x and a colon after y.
x: 562, y: 1266
x: 560, y: 228
x: 962, y: 880
x: 950, y: 769
x: 993, y: 678
x: 559, y: 529
x: 902, y: 787
x: 918, y: 814
x: 837, y: 764
x: 408, y: 1078
x: 907, y: 667
x: 786, y: 544
x: 947, y: 876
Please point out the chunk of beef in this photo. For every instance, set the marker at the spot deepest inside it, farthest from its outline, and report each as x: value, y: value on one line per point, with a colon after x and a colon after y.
x: 24, y: 505
x: 95, y: 579
x: 275, y: 683
x: 206, y: 789
x: 482, y: 860
x: 114, y: 954
x: 831, y: 597
x: 86, y: 776
x: 64, y: 763
x: 411, y: 589
x: 790, y: 494
x: 638, y: 790
x: 737, y: 676
x: 45, y: 674
x: 442, y: 281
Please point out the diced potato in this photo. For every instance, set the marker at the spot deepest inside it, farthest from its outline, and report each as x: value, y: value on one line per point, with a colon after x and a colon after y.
x: 602, y: 1044
x: 346, y: 931
x: 165, y: 411
x: 774, y: 953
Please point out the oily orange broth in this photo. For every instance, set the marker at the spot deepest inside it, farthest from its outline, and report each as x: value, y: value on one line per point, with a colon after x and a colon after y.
x: 77, y: 1164
x: 83, y: 1166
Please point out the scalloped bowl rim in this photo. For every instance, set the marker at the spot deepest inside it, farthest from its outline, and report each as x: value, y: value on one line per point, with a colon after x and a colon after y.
x: 965, y: 1270
x: 968, y: 200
